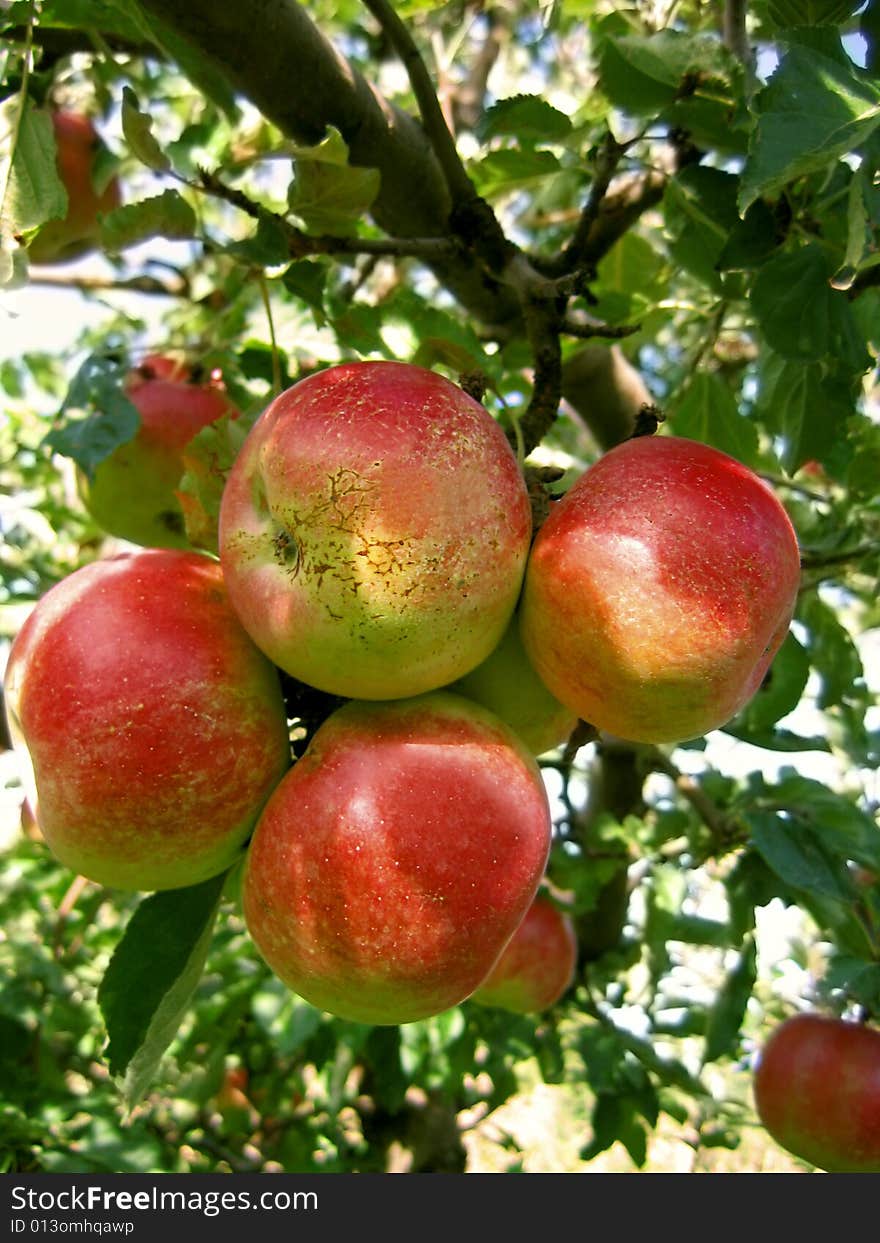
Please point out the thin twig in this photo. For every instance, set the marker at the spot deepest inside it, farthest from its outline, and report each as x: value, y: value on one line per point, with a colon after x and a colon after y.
x: 89, y: 284
x: 587, y: 327
x: 733, y: 30
x: 461, y: 187
x: 276, y: 359
x: 726, y: 831
x: 301, y: 244
x: 607, y: 159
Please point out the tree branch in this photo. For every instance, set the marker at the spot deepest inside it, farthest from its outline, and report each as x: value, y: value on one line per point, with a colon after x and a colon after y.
x: 273, y: 53
x: 460, y: 186
x: 301, y: 244
x: 733, y: 29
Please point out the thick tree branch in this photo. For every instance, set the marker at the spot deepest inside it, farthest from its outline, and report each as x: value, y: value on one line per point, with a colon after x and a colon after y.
x: 275, y: 55
x: 272, y: 52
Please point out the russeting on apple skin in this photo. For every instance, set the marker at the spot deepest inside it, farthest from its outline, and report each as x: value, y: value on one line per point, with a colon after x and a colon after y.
x: 659, y: 590
x: 155, y: 728
x: 394, y: 862
x: 374, y: 531
x: 817, y: 1091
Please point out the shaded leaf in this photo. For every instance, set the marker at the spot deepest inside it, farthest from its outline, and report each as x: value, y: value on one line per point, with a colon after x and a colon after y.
x: 96, y: 416
x: 707, y: 411
x: 151, y: 977
x: 802, y: 317
x: 164, y: 215
x: 729, y: 1007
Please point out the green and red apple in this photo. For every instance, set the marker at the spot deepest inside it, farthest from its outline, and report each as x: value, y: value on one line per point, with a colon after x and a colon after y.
x: 154, y: 728
x: 395, y: 861
x: 537, y: 966
x: 817, y: 1092
x: 374, y: 531
x: 659, y: 590
x: 77, y: 144
x: 507, y: 684
x: 133, y: 493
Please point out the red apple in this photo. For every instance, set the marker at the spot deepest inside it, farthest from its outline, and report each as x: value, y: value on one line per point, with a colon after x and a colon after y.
x: 506, y: 683
x: 133, y: 492
x: 817, y: 1092
x: 374, y: 531
x: 397, y: 858
x: 78, y: 231
x: 155, y: 728
x: 538, y: 964
x: 659, y: 590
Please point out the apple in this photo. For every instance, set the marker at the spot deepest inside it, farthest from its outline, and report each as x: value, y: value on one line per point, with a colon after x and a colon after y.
x: 817, y: 1092
x: 155, y: 728
x: 397, y: 858
x: 374, y: 530
x: 133, y: 492
x: 659, y: 590
x: 506, y: 683
x: 76, y: 233
x: 537, y: 966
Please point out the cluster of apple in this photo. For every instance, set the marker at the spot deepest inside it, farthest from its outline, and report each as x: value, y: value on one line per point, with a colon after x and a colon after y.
x: 376, y: 543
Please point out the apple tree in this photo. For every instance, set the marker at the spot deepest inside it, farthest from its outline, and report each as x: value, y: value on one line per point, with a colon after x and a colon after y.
x: 606, y: 222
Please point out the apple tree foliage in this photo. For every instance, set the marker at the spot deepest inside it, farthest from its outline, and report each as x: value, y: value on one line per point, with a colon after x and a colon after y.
x: 583, y: 207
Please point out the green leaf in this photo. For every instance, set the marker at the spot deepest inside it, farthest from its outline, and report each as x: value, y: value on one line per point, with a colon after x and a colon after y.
x: 857, y: 238
x: 857, y: 979
x: 267, y: 246
x: 707, y: 411
x: 701, y: 212
x: 96, y: 415
x: 798, y: 855
x: 328, y: 194
x: 510, y: 168
x: 843, y: 825
x: 729, y: 1008
x: 34, y: 193
x: 138, y: 131
x: 530, y: 118
x: 207, y: 460
x: 833, y: 654
x: 164, y: 215
x: 801, y: 316
x: 812, y: 112
x: 752, y: 239
x: 151, y: 978
x: 806, y: 408
x: 307, y: 281
x: 643, y: 74
x: 787, y: 13
x: 781, y: 693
